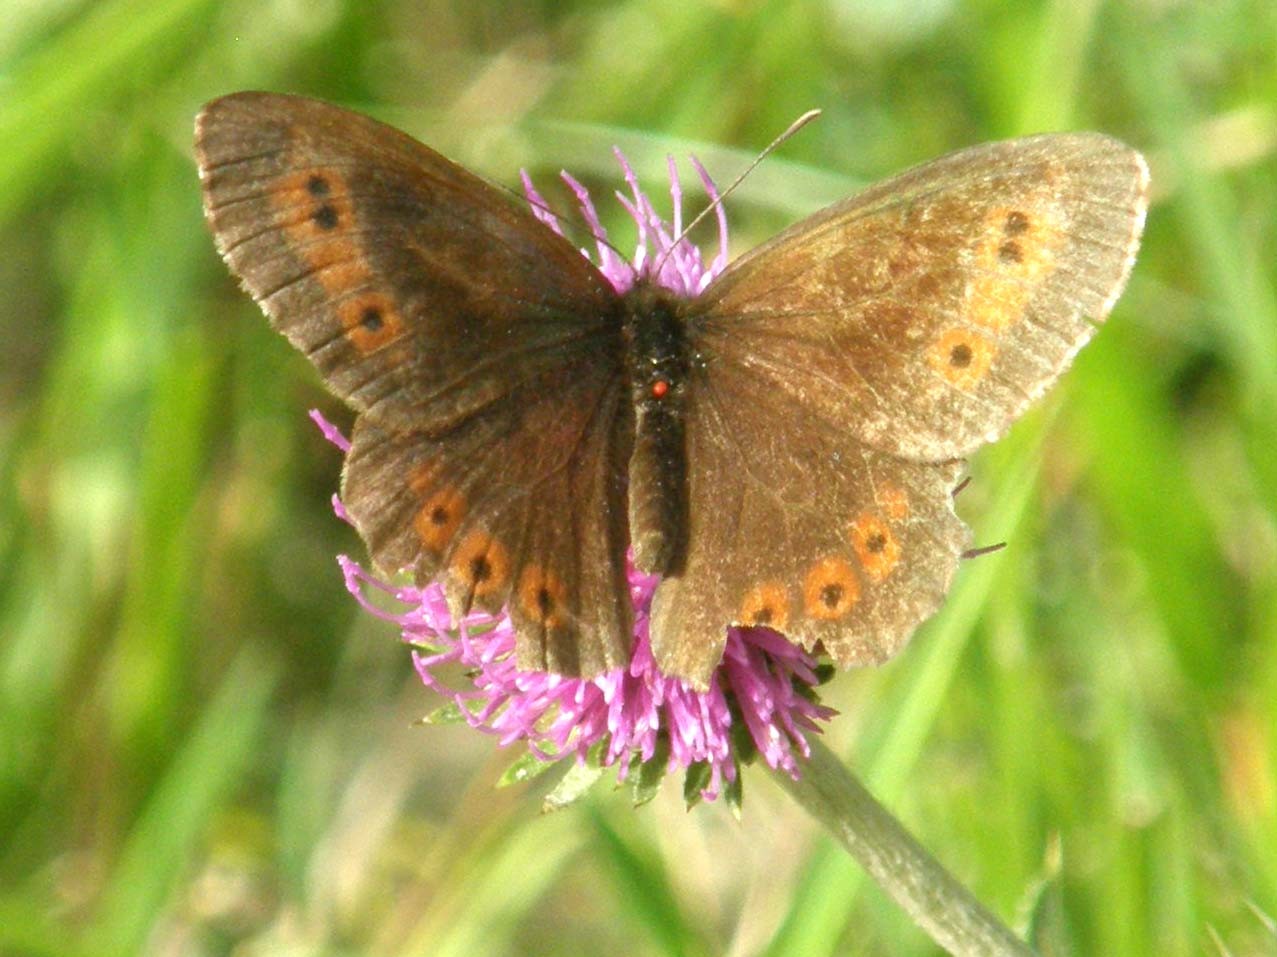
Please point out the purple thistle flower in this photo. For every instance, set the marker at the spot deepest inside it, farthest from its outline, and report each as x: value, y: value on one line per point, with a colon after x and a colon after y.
x: 633, y: 714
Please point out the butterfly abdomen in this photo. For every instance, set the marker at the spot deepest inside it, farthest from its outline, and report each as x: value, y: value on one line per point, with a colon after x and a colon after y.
x: 656, y: 363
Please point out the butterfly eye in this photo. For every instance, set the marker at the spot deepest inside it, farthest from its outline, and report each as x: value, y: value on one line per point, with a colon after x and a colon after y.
x: 1010, y: 252
x: 660, y: 388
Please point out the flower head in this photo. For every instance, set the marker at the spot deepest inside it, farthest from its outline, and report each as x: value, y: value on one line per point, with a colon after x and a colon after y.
x: 760, y: 699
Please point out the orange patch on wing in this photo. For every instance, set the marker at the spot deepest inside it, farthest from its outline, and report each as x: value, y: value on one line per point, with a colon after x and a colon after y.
x: 312, y: 203
x: 337, y: 265
x: 371, y: 320
x: 875, y: 545
x: 1015, y: 254
x: 830, y: 589
x: 541, y: 596
x: 766, y: 604
x: 994, y: 303
x: 960, y: 357
x: 482, y: 564
x: 1020, y: 242
x: 315, y: 210
x: 438, y: 519
x: 893, y: 501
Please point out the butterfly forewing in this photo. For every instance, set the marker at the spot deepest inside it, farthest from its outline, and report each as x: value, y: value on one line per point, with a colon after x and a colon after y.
x: 421, y: 293
x: 479, y: 347
x: 923, y: 315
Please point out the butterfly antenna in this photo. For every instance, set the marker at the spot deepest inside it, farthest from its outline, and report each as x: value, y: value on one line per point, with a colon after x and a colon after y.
x: 718, y: 200
x: 983, y: 550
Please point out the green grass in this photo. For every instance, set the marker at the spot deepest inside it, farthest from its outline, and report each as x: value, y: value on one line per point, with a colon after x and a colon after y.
x: 203, y: 747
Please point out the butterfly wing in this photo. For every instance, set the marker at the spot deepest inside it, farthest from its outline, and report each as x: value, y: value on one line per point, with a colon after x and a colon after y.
x: 924, y: 314
x: 799, y: 527
x: 521, y: 508
x: 479, y: 347
x: 845, y: 365
x: 420, y: 292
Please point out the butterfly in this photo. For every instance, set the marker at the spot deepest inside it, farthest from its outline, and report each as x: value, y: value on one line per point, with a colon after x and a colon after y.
x: 781, y: 447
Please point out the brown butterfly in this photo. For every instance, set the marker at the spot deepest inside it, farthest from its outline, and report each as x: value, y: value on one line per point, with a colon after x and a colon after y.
x: 781, y: 448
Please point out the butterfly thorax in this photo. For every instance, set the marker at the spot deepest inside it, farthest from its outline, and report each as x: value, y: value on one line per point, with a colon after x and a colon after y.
x: 657, y: 364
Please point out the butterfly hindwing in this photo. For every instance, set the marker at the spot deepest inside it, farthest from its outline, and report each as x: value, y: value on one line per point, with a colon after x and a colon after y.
x: 521, y: 508
x: 802, y: 529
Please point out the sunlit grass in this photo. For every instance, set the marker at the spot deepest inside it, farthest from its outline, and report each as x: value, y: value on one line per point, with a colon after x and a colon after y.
x: 204, y: 749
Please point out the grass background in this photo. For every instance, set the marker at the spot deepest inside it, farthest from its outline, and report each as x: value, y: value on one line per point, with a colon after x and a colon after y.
x: 204, y: 749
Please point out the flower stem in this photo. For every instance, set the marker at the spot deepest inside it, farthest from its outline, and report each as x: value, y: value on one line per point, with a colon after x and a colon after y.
x: 929, y: 894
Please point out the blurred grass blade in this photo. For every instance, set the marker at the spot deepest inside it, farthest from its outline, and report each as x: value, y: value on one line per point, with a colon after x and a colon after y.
x: 493, y: 887
x: 48, y: 97
x: 214, y: 759
x: 643, y: 883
